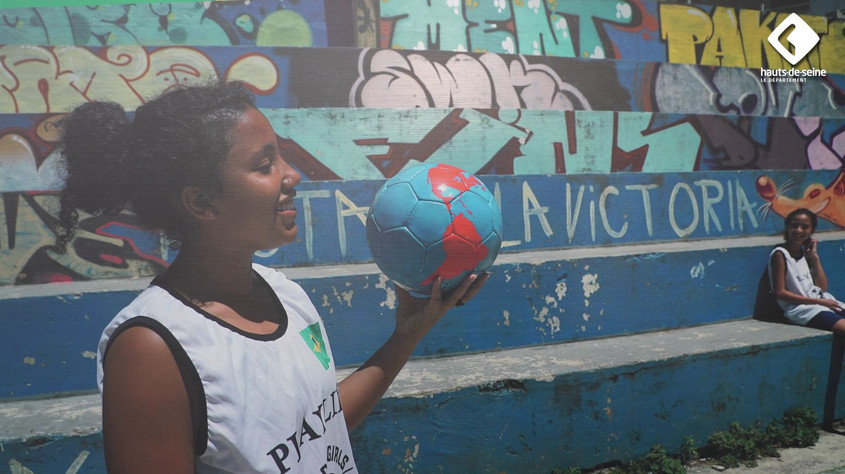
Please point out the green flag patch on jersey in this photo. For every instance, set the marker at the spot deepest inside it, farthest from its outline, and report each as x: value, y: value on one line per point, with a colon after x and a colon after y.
x: 313, y: 336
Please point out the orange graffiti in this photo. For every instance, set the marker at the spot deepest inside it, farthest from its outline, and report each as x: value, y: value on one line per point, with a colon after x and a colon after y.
x: 828, y: 202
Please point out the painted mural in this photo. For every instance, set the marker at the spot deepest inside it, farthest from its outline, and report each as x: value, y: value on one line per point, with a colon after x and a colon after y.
x: 539, y: 212
x: 58, y: 78
x: 369, y: 144
x: 37, y: 79
x: 492, y: 113
x: 640, y: 30
x: 595, y: 123
x: 243, y: 22
x: 390, y: 78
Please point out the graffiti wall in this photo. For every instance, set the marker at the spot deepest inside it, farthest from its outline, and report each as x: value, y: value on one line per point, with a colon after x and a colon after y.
x: 376, y: 144
x: 37, y: 79
x: 523, y: 92
x: 539, y: 212
x: 638, y: 30
x: 634, y: 147
x: 596, y: 123
x: 252, y: 23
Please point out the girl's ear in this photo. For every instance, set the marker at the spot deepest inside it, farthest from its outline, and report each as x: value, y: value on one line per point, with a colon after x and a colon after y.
x: 198, y: 203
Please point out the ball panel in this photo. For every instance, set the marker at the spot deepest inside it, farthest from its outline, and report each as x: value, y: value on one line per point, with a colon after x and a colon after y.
x: 429, y: 221
x: 401, y: 255
x: 373, y: 235
x: 492, y: 244
x: 498, y: 225
x: 393, y: 206
x: 459, y: 255
x: 472, y: 217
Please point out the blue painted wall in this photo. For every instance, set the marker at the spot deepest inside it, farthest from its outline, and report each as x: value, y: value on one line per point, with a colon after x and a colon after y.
x: 587, y: 418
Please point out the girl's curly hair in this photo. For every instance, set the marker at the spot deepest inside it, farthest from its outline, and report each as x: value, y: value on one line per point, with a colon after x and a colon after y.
x: 113, y: 163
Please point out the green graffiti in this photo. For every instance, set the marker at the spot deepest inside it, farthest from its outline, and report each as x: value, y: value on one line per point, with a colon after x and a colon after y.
x: 105, y: 25
x: 66, y: 3
x: 427, y: 25
x: 153, y: 24
x: 284, y: 28
x: 535, y: 27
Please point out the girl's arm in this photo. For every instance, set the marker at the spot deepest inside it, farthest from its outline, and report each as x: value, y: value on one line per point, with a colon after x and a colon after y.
x: 146, y: 417
x: 812, y: 255
x: 778, y: 275
x: 361, y: 390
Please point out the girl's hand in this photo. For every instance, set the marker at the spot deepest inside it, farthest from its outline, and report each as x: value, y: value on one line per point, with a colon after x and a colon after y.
x: 416, y: 316
x: 811, y: 249
x: 832, y: 305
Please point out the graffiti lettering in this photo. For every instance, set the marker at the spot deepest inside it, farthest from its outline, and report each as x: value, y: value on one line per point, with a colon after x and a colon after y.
x: 738, y: 38
x: 535, y: 27
x: 56, y: 79
x: 306, y: 197
x: 391, y: 79
x: 255, y: 22
x: 531, y: 207
x: 538, y: 212
x: 699, y: 208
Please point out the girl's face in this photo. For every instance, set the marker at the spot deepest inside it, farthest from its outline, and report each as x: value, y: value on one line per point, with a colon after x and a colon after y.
x: 256, y: 203
x: 799, y: 229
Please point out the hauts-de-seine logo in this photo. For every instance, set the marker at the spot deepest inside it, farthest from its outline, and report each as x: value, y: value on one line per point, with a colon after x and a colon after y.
x: 802, y: 39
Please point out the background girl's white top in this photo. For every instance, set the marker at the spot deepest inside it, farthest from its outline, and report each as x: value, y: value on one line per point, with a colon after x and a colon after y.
x: 799, y: 280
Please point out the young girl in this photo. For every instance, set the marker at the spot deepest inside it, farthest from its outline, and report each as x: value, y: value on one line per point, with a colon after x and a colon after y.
x: 798, y: 279
x: 220, y: 365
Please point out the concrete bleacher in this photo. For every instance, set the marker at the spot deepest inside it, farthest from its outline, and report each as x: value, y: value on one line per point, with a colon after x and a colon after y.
x: 524, y: 407
x: 617, y: 316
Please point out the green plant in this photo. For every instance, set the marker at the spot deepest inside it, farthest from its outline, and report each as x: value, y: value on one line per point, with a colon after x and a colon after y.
x: 657, y: 461
x: 797, y: 429
x: 729, y: 448
x: 689, y: 450
x: 735, y: 445
x: 571, y: 470
x: 738, y: 445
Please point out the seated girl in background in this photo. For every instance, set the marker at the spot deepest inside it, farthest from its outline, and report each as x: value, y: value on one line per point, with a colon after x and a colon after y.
x: 798, y: 280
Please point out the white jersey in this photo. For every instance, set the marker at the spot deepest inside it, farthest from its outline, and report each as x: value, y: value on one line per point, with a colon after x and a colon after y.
x: 259, y: 403
x: 799, y: 280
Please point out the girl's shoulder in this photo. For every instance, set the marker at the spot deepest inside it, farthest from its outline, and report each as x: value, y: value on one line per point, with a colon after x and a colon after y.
x: 778, y: 249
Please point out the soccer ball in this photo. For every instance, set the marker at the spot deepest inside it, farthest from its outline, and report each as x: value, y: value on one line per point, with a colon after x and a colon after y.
x: 433, y: 220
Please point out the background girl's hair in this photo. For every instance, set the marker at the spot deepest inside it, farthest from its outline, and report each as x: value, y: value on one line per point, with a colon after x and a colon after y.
x: 176, y: 140
x: 814, y: 221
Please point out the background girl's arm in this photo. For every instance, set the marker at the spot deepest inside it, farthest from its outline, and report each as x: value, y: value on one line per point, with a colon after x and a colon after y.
x: 146, y: 416
x: 361, y: 390
x: 778, y: 275
x: 812, y: 255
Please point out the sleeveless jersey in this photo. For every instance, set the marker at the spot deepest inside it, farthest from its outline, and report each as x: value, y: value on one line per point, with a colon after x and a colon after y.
x: 259, y: 403
x: 799, y: 280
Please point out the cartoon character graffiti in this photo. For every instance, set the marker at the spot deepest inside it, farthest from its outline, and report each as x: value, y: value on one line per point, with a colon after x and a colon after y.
x: 828, y: 202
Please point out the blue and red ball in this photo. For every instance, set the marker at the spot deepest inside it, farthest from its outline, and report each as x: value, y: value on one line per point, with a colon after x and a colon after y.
x: 433, y: 221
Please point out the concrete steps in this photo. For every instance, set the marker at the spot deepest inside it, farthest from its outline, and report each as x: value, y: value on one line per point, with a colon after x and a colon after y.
x: 524, y: 409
